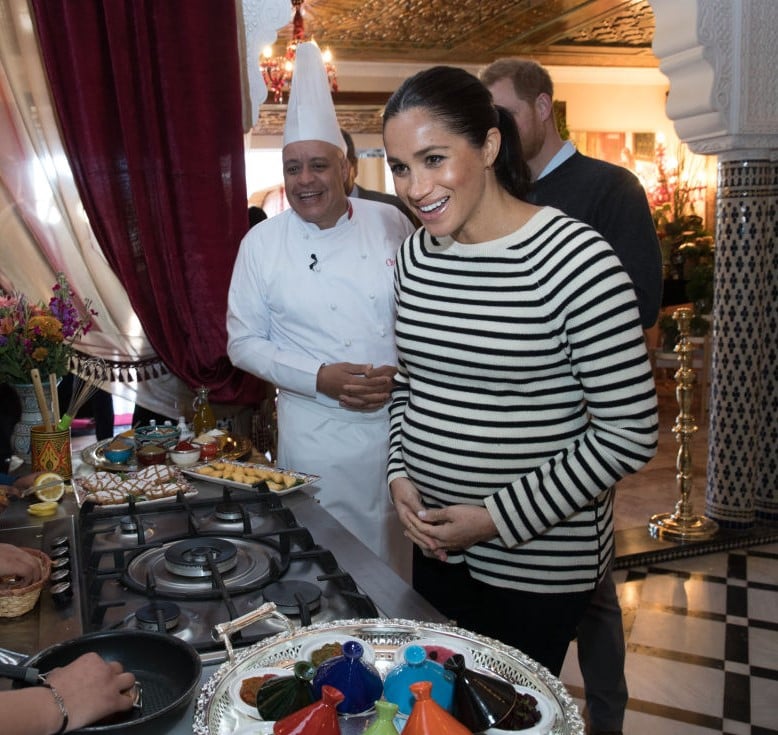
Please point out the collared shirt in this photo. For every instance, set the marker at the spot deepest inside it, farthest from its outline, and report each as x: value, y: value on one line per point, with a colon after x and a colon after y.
x: 565, y: 152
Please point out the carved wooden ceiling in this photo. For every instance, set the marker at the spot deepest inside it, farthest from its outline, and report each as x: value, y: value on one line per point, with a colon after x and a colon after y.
x: 553, y: 32
x: 557, y: 32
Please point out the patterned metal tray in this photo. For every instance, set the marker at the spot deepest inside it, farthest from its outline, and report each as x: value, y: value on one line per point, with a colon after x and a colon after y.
x: 215, y: 713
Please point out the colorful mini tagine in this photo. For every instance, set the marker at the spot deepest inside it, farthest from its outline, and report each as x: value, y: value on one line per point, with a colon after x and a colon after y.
x: 481, y: 701
x: 358, y: 680
x: 319, y: 718
x: 428, y: 717
x: 284, y: 695
x: 384, y: 722
x: 418, y: 667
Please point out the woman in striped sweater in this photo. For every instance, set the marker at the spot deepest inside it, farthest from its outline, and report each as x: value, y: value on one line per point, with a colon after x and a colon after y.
x: 523, y: 392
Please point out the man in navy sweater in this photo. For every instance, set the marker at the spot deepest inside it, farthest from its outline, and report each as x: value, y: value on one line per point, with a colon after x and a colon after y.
x: 610, y: 199
x: 607, y: 197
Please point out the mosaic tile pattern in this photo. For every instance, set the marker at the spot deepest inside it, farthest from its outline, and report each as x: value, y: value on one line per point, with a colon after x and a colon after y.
x: 743, y: 449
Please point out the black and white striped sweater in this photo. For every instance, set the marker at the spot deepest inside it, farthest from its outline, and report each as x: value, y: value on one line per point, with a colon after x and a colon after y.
x: 523, y: 385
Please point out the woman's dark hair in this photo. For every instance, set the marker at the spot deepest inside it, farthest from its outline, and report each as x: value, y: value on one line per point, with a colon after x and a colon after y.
x: 464, y: 106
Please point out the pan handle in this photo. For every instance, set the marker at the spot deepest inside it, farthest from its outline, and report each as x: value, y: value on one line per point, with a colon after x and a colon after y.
x: 27, y: 674
x: 225, y: 630
x: 11, y: 657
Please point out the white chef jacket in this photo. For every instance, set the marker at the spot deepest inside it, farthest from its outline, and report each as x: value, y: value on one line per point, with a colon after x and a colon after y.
x: 300, y: 297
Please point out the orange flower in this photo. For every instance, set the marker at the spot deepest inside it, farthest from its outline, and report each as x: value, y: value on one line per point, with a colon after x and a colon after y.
x: 48, y: 327
x: 39, y: 354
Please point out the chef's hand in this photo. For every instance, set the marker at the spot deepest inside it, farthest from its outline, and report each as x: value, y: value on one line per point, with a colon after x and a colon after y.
x: 372, y: 392
x: 25, y: 482
x: 407, y: 503
x: 356, y: 386
x: 455, y: 527
x: 93, y: 688
x: 14, y: 562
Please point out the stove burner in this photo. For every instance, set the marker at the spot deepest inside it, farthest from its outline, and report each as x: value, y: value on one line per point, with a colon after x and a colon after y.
x: 229, y: 512
x: 189, y: 558
x: 158, y: 616
x: 293, y: 596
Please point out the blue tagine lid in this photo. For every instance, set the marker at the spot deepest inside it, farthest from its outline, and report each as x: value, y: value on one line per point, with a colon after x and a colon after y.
x: 418, y: 667
x: 358, y: 680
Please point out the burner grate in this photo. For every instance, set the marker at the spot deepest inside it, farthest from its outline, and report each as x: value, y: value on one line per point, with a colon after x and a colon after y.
x: 192, y: 563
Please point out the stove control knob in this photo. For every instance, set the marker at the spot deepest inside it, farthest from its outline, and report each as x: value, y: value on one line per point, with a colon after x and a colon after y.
x: 61, y: 575
x: 62, y: 563
x: 61, y: 594
x: 60, y: 552
x: 59, y: 541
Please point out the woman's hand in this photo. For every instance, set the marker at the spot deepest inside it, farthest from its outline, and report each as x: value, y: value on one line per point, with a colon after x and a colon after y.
x: 407, y: 503
x: 453, y: 528
x: 93, y: 688
x: 17, y: 563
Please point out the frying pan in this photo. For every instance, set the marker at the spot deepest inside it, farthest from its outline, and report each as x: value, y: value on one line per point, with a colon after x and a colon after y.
x: 167, y: 668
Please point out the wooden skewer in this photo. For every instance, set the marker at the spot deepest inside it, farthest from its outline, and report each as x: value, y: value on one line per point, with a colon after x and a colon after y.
x: 42, y: 406
x: 54, y: 399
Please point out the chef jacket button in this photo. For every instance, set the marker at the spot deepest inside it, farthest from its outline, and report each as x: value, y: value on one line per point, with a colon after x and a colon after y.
x: 383, y: 333
x: 363, y: 255
x: 347, y: 343
x: 333, y: 306
x: 372, y: 296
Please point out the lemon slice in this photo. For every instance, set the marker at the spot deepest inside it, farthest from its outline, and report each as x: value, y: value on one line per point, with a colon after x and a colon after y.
x: 49, y: 486
x: 47, y: 508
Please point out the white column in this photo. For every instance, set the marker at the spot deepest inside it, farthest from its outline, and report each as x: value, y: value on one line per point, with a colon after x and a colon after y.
x: 720, y: 57
x: 261, y: 21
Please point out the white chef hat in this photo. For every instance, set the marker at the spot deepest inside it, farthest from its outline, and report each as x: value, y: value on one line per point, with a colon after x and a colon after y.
x: 310, y: 114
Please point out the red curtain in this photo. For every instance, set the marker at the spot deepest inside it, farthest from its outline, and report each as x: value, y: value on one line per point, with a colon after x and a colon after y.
x: 148, y: 97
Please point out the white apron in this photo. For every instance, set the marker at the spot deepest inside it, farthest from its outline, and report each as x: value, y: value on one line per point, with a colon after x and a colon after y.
x: 353, y: 448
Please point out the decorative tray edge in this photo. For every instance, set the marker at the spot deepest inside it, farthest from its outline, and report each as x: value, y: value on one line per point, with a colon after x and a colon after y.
x: 282, y: 647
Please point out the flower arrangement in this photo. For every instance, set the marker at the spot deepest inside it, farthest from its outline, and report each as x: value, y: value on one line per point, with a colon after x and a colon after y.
x: 686, y: 244
x: 38, y: 335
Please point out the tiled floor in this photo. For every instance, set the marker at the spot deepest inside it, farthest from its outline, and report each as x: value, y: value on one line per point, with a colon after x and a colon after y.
x: 702, y: 645
x: 701, y: 631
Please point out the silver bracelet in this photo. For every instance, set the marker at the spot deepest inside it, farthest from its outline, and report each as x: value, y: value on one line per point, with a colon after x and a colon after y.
x: 44, y: 682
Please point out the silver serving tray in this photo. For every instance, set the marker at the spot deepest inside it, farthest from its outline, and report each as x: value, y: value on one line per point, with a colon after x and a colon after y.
x: 306, y: 480
x: 216, y: 715
x: 239, y: 448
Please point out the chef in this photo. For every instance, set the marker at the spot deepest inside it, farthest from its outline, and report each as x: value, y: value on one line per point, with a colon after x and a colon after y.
x: 311, y: 310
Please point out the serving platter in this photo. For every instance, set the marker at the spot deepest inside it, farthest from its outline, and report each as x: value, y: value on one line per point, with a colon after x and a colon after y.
x: 215, y: 713
x: 81, y: 492
x: 94, y: 455
x: 195, y: 472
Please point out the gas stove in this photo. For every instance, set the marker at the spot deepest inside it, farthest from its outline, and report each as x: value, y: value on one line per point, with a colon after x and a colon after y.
x: 184, y: 566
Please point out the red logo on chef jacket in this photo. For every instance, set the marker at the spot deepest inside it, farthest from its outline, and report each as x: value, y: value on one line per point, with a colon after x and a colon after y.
x: 390, y: 262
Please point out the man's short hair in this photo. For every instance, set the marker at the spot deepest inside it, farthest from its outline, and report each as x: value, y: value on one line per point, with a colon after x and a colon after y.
x: 529, y: 78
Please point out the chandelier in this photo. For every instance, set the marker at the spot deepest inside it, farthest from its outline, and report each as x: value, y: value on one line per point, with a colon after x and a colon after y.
x: 277, y: 71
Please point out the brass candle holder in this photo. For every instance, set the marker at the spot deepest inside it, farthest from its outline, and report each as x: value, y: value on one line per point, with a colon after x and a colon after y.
x: 683, y: 524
